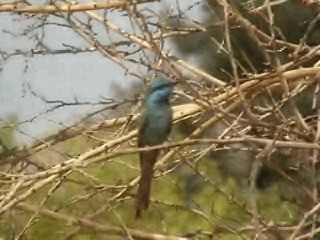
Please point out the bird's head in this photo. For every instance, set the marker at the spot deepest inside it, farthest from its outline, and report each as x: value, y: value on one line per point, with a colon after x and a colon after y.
x: 160, y: 90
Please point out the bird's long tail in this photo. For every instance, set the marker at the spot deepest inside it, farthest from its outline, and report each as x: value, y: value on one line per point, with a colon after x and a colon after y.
x: 147, y: 161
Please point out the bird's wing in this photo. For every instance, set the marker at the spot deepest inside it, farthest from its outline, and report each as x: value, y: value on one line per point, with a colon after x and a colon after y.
x: 142, y: 127
x: 169, y: 126
x: 147, y: 161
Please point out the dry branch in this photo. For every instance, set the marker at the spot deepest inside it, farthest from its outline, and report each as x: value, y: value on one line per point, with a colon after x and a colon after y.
x: 110, y: 4
x: 230, y: 104
x: 94, y: 226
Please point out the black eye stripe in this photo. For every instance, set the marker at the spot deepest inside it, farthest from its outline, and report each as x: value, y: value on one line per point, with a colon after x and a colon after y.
x: 161, y: 87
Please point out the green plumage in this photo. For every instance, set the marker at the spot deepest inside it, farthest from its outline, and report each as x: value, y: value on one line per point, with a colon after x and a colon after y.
x: 154, y: 128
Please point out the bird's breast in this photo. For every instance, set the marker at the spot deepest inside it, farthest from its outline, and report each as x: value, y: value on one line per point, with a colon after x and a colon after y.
x: 159, y: 122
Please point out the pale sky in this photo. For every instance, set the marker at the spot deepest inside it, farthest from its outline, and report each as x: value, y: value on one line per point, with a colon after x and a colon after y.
x: 84, y: 76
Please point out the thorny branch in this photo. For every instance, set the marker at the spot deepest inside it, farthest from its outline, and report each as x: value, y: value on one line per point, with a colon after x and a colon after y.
x: 258, y: 109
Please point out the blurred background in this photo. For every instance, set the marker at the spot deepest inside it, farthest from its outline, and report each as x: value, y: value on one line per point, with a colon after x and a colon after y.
x: 72, y: 85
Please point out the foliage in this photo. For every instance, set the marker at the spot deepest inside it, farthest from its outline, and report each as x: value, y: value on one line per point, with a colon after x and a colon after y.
x: 243, y: 162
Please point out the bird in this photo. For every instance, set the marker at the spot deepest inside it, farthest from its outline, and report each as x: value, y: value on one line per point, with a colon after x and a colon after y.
x: 154, y: 128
